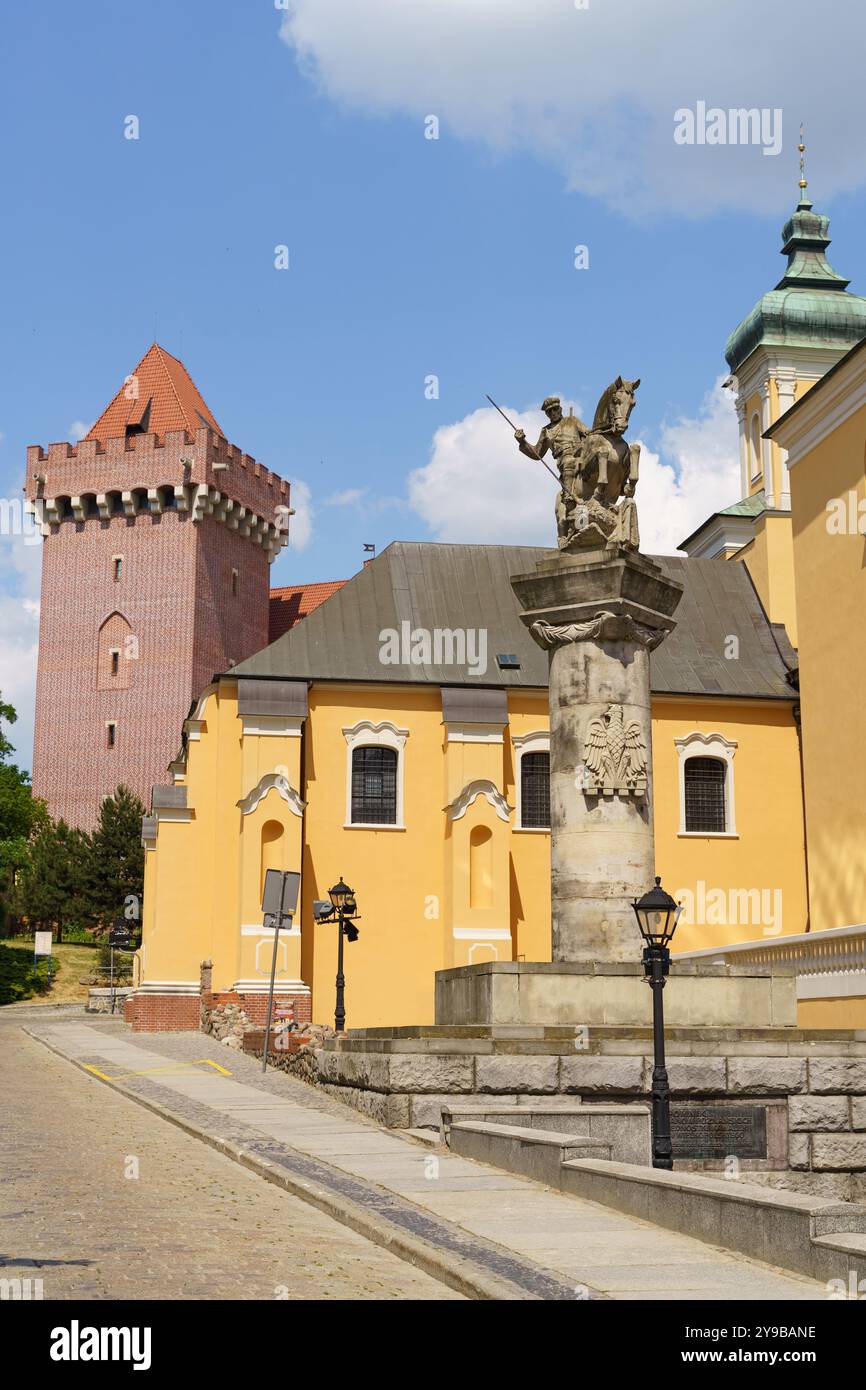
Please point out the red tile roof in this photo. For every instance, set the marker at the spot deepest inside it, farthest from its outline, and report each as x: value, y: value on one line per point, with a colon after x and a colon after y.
x: 294, y: 602
x: 159, y: 395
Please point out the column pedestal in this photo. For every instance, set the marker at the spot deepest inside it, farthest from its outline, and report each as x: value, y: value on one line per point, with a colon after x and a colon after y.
x: 600, y: 614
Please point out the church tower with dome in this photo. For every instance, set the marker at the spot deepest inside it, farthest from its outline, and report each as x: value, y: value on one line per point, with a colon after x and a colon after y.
x: 789, y: 340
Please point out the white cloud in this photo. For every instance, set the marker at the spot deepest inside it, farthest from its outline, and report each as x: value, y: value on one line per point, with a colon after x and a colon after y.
x: 347, y: 498
x: 593, y: 91
x: 20, y: 569
x: 77, y: 430
x: 695, y: 473
x: 301, y: 524
x: 478, y: 488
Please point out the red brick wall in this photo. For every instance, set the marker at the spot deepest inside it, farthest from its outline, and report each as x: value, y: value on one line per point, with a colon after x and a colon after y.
x: 228, y: 627
x: 73, y: 768
x: 175, y: 592
x: 175, y: 1013
x: 163, y: 1013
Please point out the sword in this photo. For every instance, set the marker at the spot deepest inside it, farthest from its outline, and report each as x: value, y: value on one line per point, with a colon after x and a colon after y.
x: 529, y: 447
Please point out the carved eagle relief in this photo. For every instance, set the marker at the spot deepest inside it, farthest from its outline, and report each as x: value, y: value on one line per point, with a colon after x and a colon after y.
x: 614, y: 755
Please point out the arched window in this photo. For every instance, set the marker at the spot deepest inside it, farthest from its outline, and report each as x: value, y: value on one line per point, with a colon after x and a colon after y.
x: 374, y: 786
x: 375, y: 768
x: 704, y: 785
x: 535, y: 791
x: 756, y: 467
x: 706, y: 778
x: 116, y: 652
x: 532, y: 779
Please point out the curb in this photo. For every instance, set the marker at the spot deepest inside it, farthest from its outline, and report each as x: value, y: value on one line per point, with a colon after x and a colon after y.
x: 460, y: 1274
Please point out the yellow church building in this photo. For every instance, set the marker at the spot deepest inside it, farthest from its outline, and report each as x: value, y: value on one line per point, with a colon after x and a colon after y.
x: 397, y: 738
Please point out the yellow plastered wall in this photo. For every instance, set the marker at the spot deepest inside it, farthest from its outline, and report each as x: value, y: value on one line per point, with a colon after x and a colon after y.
x: 847, y: 1012
x: 398, y: 874
x: 752, y: 886
x: 831, y: 602
x: 529, y: 869
x: 769, y: 558
x: 203, y: 879
x: 475, y: 873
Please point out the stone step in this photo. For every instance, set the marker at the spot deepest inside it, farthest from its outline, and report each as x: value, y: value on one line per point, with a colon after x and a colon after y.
x: 625, y: 1128
x: 815, y: 1236
x: 534, y: 1153
x: 810, y: 1235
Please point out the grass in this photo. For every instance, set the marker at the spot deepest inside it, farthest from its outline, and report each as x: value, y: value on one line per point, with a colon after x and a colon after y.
x: 68, y: 964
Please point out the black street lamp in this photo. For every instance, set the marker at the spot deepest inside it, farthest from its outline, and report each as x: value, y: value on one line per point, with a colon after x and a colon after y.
x: 344, y: 909
x: 657, y: 915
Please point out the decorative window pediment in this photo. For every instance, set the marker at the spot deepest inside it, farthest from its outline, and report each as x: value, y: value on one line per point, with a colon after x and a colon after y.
x: 273, y: 781
x: 480, y: 787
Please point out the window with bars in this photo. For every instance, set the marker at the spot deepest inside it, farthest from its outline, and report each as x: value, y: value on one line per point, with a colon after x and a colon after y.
x: 705, y: 795
x: 374, y: 786
x: 535, y: 791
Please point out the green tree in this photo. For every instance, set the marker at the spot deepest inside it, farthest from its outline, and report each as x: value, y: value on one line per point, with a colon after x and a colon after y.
x: 51, y: 885
x: 21, y: 815
x: 115, y: 879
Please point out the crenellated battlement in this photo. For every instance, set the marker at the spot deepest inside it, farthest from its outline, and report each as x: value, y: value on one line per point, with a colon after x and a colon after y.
x: 202, y: 474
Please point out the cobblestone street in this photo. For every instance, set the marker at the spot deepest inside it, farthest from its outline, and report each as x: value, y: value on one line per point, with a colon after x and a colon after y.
x: 192, y: 1224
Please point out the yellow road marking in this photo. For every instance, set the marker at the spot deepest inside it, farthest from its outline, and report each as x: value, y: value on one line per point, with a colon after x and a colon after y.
x: 178, y: 1069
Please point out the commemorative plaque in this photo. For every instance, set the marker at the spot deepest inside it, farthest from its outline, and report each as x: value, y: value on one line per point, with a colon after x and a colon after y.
x: 719, y: 1131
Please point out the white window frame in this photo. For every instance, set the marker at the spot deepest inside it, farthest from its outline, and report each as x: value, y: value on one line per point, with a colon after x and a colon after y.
x: 698, y: 745
x: 366, y: 734
x: 536, y: 742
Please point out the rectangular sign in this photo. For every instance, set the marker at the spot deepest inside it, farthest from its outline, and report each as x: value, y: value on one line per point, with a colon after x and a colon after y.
x: 281, y: 892
x: 42, y: 943
x: 719, y: 1131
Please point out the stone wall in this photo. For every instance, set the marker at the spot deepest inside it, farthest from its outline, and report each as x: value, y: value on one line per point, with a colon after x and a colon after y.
x: 812, y: 1084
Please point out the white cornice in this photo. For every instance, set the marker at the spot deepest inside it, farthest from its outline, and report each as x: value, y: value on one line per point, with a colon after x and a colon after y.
x: 807, y: 363
x: 823, y: 409
x: 273, y: 725
x: 457, y: 732
x: 719, y: 534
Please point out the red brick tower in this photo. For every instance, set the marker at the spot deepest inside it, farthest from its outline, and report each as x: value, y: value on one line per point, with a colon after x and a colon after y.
x: 158, y: 537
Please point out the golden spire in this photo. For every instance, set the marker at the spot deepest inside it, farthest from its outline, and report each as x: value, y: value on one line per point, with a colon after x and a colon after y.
x: 802, y: 148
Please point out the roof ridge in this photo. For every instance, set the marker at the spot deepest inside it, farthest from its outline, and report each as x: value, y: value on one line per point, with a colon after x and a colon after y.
x: 171, y: 380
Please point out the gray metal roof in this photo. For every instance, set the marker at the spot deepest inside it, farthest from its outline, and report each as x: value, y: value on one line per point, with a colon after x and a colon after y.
x: 466, y: 587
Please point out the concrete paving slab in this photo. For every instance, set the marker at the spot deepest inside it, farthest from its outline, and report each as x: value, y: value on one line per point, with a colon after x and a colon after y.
x: 503, y: 1227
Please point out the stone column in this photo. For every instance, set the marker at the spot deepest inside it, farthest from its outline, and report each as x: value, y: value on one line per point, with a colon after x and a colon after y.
x: 600, y: 614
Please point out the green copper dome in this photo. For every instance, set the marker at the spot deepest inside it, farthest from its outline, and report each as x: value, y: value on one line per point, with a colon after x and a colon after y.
x: 810, y: 306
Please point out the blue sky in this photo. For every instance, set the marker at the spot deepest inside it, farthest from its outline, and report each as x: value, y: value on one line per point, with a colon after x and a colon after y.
x: 408, y: 256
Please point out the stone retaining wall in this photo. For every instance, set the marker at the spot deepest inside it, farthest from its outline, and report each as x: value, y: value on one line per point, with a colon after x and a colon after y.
x: 402, y: 1078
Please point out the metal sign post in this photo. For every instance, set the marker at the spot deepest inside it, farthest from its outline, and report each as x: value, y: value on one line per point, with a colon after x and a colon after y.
x: 279, y: 900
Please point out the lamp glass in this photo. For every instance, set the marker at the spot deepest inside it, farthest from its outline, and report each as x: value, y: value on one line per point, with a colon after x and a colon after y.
x: 339, y: 893
x: 657, y: 915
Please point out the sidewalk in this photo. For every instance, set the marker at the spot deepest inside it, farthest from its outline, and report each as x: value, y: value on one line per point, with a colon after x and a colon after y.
x: 484, y: 1232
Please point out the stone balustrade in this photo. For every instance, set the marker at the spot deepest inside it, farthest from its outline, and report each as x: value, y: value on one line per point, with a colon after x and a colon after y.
x: 828, y: 964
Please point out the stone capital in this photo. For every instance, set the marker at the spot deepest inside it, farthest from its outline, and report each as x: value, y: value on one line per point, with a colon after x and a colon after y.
x: 604, y: 627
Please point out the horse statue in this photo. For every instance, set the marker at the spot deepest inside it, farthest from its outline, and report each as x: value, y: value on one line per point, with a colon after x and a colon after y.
x: 600, y: 509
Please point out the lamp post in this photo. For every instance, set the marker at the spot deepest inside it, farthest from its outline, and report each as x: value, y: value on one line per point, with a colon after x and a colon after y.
x: 344, y: 909
x: 657, y: 915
